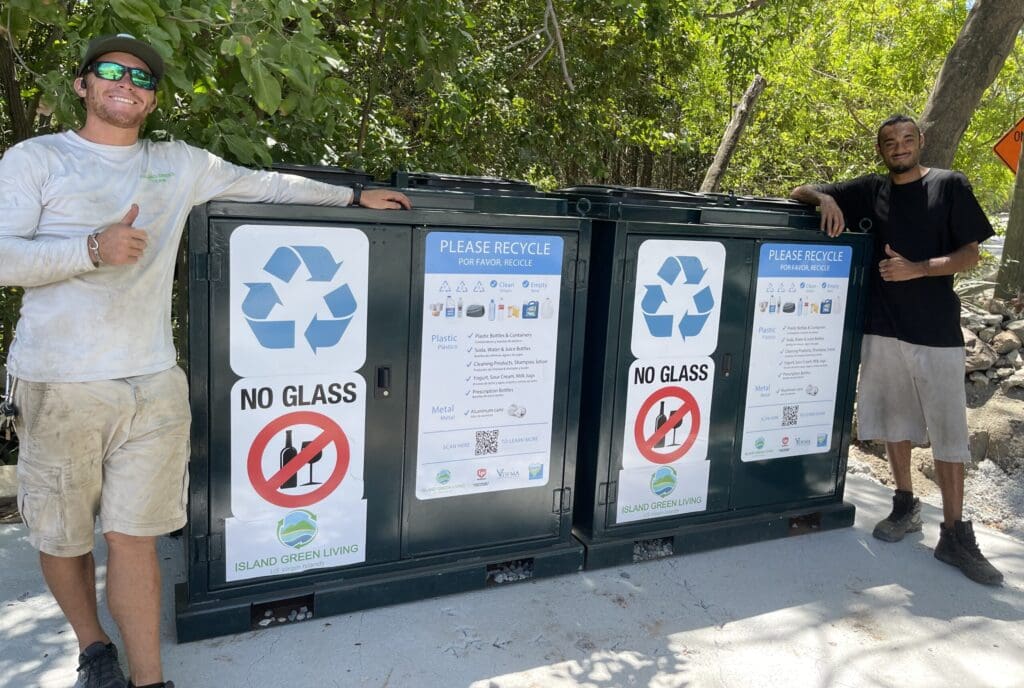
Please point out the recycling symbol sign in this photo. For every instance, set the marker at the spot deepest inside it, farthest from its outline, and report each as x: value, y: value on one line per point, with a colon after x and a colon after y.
x: 298, y: 299
x: 261, y: 299
x: 659, y: 314
x: 678, y: 292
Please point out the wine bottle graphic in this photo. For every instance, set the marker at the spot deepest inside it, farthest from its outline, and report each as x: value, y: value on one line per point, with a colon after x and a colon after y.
x: 659, y: 423
x: 287, y: 454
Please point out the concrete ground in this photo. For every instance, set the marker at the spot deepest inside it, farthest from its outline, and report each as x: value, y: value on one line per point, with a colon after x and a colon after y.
x: 834, y: 609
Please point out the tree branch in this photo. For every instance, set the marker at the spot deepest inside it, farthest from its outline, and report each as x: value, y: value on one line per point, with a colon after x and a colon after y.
x: 731, y: 138
x: 749, y: 7
x: 561, y: 48
x: 553, y: 31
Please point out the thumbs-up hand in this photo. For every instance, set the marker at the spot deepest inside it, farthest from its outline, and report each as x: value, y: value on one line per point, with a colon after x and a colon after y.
x: 121, y: 243
x: 896, y: 268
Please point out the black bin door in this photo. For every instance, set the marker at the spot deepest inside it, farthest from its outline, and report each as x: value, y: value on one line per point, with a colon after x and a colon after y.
x: 262, y: 403
x: 492, y: 315
x: 681, y: 339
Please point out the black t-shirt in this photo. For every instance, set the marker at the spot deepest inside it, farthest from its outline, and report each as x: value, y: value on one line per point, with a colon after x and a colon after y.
x: 927, y: 218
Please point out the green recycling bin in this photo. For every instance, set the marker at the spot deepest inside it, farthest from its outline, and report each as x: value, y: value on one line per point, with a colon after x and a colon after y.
x: 722, y: 349
x: 385, y: 405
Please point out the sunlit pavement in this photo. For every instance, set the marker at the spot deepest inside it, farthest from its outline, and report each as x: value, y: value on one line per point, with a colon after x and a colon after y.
x: 828, y: 609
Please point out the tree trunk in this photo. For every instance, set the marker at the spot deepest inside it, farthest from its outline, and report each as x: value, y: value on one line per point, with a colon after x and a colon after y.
x: 970, y: 68
x: 1010, y: 282
x: 731, y: 138
x: 647, y: 168
x: 21, y: 121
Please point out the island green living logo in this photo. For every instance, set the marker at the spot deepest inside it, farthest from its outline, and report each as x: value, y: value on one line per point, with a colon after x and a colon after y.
x: 664, y: 481
x: 297, y: 529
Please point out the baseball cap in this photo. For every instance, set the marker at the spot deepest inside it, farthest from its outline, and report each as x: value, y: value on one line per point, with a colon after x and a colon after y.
x: 123, y: 43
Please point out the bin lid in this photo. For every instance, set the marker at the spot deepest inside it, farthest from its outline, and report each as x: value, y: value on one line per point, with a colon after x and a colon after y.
x: 626, y: 202
x: 699, y: 198
x: 338, y: 176
x: 437, y: 180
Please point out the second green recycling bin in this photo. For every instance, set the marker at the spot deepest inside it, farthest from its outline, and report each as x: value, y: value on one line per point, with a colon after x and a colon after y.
x: 722, y: 347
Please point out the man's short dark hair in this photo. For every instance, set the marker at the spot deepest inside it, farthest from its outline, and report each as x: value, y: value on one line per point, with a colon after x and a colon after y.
x: 895, y: 119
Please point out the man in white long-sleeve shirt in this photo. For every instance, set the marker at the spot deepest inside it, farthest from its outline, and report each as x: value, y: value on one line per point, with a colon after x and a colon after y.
x: 90, y: 223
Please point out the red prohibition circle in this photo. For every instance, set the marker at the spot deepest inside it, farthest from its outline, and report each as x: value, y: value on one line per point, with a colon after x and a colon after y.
x: 646, y: 444
x: 269, y: 487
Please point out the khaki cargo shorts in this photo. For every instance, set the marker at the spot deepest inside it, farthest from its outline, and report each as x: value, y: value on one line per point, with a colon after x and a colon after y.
x: 113, y: 448
x: 913, y: 392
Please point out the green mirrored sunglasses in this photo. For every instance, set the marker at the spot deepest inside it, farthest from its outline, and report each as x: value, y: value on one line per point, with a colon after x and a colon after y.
x: 113, y: 71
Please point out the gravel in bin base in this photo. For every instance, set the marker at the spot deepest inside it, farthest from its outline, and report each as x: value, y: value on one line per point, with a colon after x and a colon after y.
x: 293, y: 616
x: 655, y: 548
x: 509, y: 571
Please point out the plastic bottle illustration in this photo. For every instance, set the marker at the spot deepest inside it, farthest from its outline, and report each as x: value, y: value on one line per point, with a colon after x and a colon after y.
x: 547, y: 310
x: 800, y: 306
x: 501, y: 309
x: 491, y: 310
x: 458, y: 308
x: 449, y: 307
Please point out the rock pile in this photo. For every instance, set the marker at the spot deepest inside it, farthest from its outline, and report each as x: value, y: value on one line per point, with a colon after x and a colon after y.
x: 993, y: 342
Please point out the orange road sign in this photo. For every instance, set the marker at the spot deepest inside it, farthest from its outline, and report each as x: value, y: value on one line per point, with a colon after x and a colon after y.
x: 1008, y: 147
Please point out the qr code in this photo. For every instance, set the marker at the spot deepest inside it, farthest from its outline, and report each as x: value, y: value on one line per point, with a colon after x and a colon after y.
x: 486, y: 442
x: 790, y: 414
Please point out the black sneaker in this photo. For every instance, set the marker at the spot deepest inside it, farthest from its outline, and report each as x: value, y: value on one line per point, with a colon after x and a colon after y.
x: 957, y: 547
x: 98, y: 667
x: 904, y: 518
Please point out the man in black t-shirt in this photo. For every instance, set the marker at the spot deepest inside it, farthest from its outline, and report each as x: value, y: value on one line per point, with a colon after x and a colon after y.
x: 926, y: 225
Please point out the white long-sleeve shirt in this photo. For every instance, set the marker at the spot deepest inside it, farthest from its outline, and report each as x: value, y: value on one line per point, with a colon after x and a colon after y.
x: 79, y: 322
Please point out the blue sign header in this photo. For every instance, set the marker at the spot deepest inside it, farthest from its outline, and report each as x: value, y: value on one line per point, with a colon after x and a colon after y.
x: 493, y: 254
x: 805, y: 260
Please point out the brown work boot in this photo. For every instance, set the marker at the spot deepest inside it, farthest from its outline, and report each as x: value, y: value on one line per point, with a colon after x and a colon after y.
x: 958, y: 547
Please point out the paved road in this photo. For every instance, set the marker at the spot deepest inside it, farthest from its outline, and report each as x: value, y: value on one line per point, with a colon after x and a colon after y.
x: 835, y: 609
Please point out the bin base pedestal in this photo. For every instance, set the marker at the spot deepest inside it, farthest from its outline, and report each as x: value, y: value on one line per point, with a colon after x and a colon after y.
x: 361, y: 589
x: 617, y: 549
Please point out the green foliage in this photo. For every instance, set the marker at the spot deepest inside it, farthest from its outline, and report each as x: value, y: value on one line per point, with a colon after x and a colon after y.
x: 474, y: 87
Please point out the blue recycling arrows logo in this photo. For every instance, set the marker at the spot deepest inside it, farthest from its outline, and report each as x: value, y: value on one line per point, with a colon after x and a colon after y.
x: 262, y: 298
x: 661, y: 318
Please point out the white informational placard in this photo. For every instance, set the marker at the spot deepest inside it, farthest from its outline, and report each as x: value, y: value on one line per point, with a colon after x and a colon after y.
x: 796, y: 342
x: 678, y: 297
x: 665, y: 466
x: 297, y: 486
x: 298, y: 299
x: 487, y: 373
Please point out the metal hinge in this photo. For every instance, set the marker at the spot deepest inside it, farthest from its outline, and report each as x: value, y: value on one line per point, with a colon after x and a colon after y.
x: 581, y: 273
x: 607, y: 492
x: 205, y: 267
x: 561, y: 501
x: 206, y: 548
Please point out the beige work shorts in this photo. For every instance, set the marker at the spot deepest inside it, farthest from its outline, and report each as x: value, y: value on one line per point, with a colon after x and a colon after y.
x: 913, y: 392
x: 113, y: 448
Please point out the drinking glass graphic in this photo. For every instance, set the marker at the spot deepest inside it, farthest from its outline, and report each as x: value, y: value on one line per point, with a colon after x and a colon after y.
x: 675, y: 427
x: 316, y: 457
